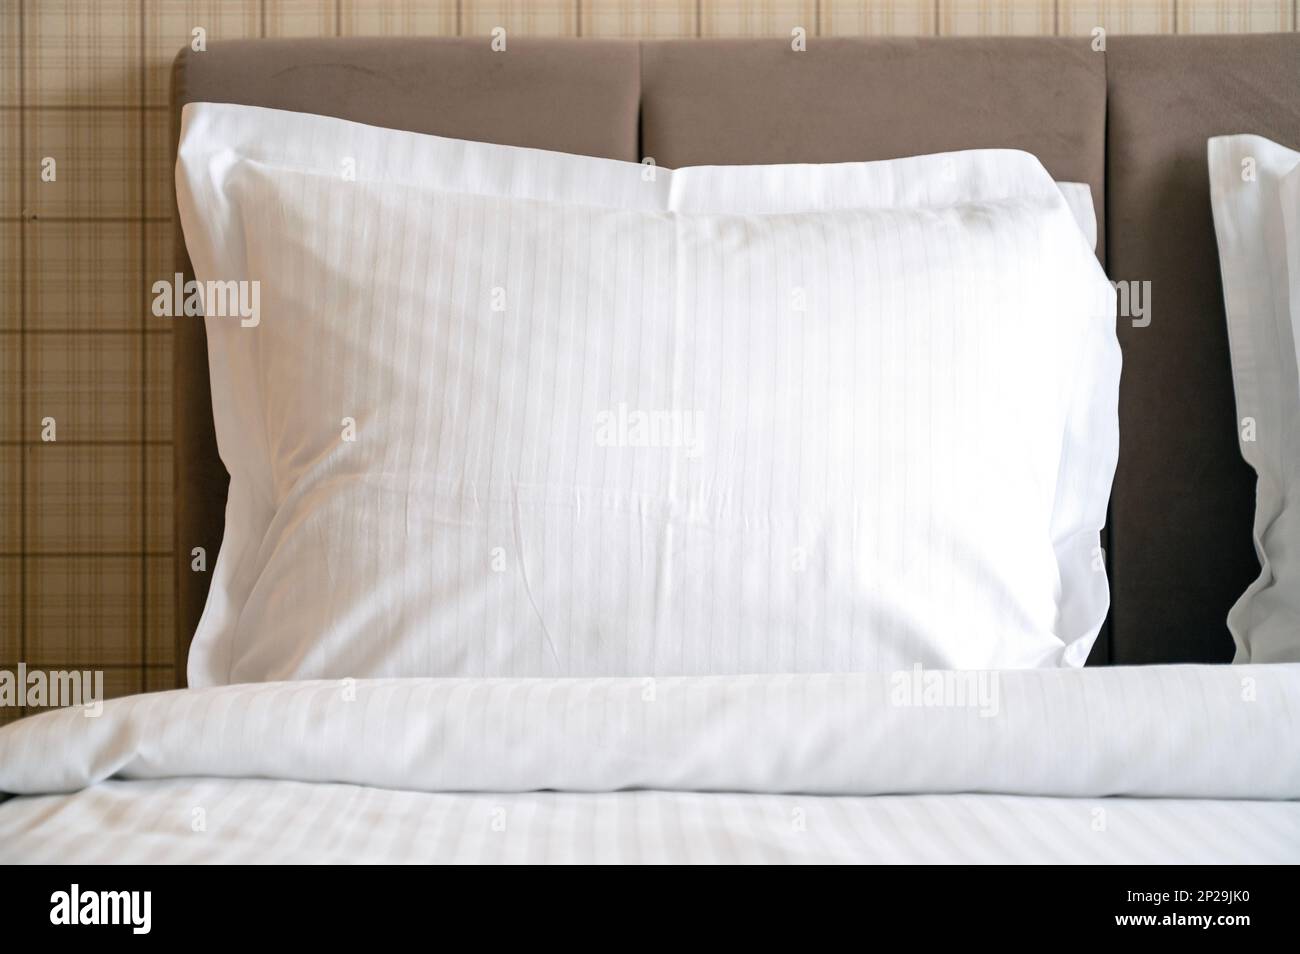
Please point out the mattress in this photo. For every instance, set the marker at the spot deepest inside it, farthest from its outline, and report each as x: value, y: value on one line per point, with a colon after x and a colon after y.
x: 1161, y: 764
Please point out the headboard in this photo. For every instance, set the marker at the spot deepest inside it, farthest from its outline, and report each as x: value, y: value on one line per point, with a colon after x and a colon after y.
x: 1131, y: 121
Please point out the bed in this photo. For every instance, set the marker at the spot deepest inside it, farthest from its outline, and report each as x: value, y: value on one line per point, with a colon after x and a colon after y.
x: 1158, y: 751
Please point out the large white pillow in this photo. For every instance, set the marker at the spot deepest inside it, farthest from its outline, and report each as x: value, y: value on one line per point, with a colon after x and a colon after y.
x: 1255, y: 194
x: 609, y: 419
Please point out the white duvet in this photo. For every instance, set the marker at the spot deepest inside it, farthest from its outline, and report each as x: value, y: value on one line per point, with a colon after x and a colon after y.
x: 1172, y: 763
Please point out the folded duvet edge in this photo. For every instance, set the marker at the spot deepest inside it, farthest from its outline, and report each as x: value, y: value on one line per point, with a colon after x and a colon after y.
x: 1164, y: 731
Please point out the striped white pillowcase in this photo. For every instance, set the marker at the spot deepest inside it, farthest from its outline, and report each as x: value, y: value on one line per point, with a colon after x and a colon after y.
x: 612, y: 420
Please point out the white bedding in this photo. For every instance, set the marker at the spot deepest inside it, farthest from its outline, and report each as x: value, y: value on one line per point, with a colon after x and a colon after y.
x: 260, y: 820
x: 502, y: 412
x: 1025, y: 767
x: 1255, y: 194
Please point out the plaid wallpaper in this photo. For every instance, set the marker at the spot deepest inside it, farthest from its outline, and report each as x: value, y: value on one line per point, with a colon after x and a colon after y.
x: 86, y: 557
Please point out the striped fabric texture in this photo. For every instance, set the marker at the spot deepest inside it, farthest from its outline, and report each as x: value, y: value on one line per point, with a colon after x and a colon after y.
x: 505, y: 412
x: 1255, y: 194
x: 1151, y: 731
x: 251, y: 821
x: 861, y: 767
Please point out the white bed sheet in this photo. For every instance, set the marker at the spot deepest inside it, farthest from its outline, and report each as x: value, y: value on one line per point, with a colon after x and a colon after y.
x: 1125, y: 764
x: 260, y: 820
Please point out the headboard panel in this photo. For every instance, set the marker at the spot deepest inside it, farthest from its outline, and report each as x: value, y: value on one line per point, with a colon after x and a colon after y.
x: 1181, y: 516
x: 1183, y: 503
x: 727, y: 102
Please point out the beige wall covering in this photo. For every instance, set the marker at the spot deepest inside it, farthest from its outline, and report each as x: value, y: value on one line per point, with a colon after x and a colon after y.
x: 86, y: 557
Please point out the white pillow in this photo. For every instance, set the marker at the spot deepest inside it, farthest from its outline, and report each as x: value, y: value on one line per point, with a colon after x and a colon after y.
x: 617, y: 420
x: 1255, y: 193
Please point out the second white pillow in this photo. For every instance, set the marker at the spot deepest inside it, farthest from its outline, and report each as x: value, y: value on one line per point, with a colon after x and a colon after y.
x: 1255, y: 194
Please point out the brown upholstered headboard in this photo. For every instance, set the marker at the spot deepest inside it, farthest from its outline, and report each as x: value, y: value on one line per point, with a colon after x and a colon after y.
x: 1131, y: 122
